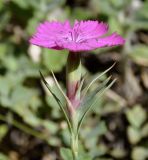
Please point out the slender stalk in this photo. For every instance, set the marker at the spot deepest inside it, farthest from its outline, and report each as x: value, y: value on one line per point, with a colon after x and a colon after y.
x: 74, y: 135
x: 74, y: 146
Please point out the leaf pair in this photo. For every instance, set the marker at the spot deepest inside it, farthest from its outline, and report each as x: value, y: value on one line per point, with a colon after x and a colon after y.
x: 87, y: 101
x: 90, y: 100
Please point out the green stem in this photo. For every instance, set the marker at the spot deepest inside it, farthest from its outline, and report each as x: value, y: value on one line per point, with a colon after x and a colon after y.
x: 74, y: 146
x: 74, y: 135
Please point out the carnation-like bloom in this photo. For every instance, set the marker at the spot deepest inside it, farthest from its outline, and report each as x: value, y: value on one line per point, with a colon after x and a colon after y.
x: 82, y: 36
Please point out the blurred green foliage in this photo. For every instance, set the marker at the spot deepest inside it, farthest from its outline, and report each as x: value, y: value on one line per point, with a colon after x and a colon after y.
x: 31, y: 124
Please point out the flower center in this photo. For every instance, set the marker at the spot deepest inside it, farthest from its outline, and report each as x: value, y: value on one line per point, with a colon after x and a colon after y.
x: 74, y: 36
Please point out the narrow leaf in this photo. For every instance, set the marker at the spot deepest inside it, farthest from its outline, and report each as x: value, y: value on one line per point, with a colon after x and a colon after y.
x: 59, y: 87
x: 89, y: 99
x: 57, y: 100
x: 100, y: 93
x: 94, y: 80
x: 78, y: 93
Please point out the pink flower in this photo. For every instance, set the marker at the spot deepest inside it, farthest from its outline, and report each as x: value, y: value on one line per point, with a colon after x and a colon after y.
x: 83, y: 36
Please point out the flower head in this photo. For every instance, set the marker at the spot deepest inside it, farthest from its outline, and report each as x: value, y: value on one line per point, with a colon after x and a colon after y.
x: 83, y: 36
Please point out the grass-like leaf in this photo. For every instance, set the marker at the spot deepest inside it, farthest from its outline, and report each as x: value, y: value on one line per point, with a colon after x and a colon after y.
x: 95, y: 79
x: 78, y: 93
x: 88, y: 99
x: 58, y: 101
x: 59, y: 87
x: 93, y: 100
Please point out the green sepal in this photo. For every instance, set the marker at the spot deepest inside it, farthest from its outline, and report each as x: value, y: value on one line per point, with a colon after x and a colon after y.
x: 73, y: 68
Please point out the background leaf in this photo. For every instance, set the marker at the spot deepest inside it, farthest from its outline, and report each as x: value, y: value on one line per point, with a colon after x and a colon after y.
x: 66, y: 154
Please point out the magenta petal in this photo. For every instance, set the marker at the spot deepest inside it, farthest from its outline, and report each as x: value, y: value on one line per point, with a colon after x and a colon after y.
x: 92, y: 29
x: 78, y: 47
x: 42, y: 42
x: 83, y: 36
x: 48, y: 33
x: 112, y: 40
